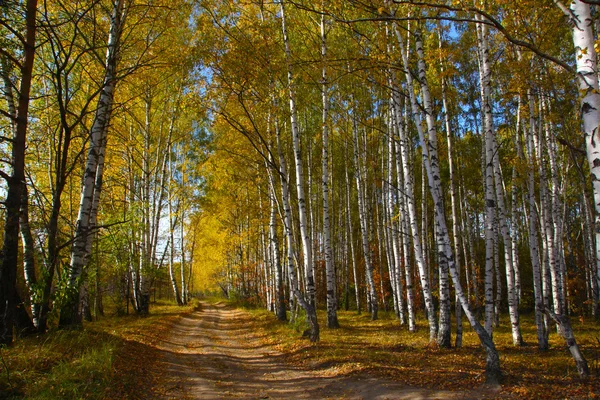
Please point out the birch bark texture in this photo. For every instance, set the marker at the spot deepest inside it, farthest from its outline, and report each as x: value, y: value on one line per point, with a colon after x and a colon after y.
x: 493, y: 369
x: 295, y: 294
x: 332, y: 319
x: 93, y: 174
x: 580, y: 17
x: 582, y: 25
x: 417, y: 242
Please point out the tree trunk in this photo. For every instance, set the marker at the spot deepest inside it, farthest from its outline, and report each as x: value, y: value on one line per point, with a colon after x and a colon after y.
x: 396, y: 264
x: 408, y: 182
x: 70, y: 310
x: 304, y: 231
x: 587, y: 77
x: 29, y: 258
x: 493, y: 370
x: 564, y: 326
x: 404, y: 180
x: 490, y: 202
x: 533, y: 233
x: 332, y: 320
x: 453, y: 192
x: 172, y: 224
x: 350, y: 229
x: 182, y: 213
x: 274, y: 244
x: 362, y: 216
x: 443, y: 337
x: 295, y: 293
x: 16, y: 184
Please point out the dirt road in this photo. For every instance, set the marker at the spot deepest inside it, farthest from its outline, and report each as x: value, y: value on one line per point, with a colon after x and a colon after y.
x: 213, y: 354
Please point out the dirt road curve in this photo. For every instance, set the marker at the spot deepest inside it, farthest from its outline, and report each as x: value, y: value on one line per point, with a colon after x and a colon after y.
x: 213, y: 354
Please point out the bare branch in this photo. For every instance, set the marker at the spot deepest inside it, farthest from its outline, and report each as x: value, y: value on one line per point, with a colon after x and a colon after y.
x: 8, y: 115
x: 18, y: 35
x: 489, y: 20
x: 11, y: 58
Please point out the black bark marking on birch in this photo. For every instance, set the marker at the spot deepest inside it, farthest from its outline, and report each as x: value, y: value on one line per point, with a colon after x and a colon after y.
x: 596, y: 162
x: 587, y: 108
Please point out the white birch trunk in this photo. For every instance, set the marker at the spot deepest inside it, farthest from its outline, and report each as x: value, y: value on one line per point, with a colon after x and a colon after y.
x: 29, y: 257
x: 172, y: 224
x: 533, y: 233
x: 399, y: 242
x: 184, y: 288
x: 396, y: 261
x: 182, y: 213
x: 419, y: 255
x: 443, y: 337
x: 381, y: 241
x: 350, y: 229
x: 513, y: 207
x: 453, y: 194
x: 304, y: 231
x: 404, y: 220
x: 362, y: 216
x: 498, y: 296
x: 69, y: 314
x: 587, y: 76
x: 554, y: 215
x: 297, y: 295
x: 546, y: 220
x: 547, y: 250
x: 490, y: 202
x: 493, y: 371
x: 280, y: 310
x: 513, y: 301
x: 310, y: 217
x: 332, y: 320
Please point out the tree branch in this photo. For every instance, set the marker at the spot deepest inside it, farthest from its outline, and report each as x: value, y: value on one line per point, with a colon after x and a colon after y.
x: 494, y: 23
x: 8, y: 115
x: 11, y: 58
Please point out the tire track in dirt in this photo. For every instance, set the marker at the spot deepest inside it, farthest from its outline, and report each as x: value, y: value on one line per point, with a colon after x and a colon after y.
x: 213, y: 354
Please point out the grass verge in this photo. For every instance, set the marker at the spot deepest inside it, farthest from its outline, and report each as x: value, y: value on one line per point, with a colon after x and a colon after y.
x: 386, y: 349
x: 107, y: 359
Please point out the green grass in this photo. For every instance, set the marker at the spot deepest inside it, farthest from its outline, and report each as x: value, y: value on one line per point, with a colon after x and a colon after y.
x: 62, y: 364
x: 99, y: 361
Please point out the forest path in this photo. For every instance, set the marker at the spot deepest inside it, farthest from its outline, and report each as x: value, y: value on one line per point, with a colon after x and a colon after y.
x: 213, y: 354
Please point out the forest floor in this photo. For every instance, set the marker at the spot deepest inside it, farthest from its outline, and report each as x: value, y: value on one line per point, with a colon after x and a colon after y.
x: 216, y: 352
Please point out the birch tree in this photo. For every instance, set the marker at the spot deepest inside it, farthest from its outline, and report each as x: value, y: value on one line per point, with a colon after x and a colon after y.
x: 294, y: 288
x: 332, y: 321
x: 416, y: 237
x: 580, y: 18
x: 490, y: 202
x: 98, y: 136
x: 362, y: 216
x: 493, y: 371
x: 299, y: 166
